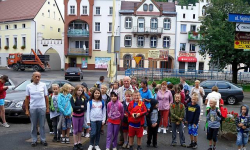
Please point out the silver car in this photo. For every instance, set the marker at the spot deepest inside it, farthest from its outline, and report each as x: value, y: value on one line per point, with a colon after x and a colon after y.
x: 10, y: 84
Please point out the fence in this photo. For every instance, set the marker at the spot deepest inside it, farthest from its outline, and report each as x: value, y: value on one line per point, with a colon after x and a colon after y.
x: 159, y: 74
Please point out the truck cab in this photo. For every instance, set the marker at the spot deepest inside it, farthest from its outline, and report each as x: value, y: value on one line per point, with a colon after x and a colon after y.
x: 13, y: 59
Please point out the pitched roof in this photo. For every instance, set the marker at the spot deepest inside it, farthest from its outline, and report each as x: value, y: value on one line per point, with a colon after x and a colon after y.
x: 129, y: 5
x: 12, y: 10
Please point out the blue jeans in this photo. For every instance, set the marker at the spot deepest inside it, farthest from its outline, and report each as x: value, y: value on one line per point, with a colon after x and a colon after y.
x: 95, y: 132
x: 242, y: 139
x: 181, y: 133
x: 38, y: 115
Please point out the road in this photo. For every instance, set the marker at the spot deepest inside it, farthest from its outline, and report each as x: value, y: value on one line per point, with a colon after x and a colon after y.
x: 16, y: 137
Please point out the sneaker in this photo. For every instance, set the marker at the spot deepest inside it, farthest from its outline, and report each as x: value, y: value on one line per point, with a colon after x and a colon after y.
x: 190, y: 145
x: 67, y: 140
x: 195, y: 145
x: 173, y: 144
x: 44, y: 143
x: 6, y: 125
x: 51, y: 132
x: 90, y: 147
x: 155, y: 146
x: 80, y: 147
x: 159, y: 130
x: 75, y: 147
x: 243, y: 148
x: 33, y: 144
x: 183, y: 145
x: 107, y: 149
x: 97, y: 147
x: 63, y: 140
x: 54, y: 139
x: 145, y: 132
x: 114, y: 148
x: 128, y: 146
x: 87, y: 135
x: 83, y: 135
x: 124, y: 145
x: 164, y: 130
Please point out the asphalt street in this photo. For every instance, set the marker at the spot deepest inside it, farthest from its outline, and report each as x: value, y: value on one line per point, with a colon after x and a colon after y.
x: 16, y: 137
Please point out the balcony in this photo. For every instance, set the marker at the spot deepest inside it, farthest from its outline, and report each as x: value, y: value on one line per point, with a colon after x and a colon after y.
x: 78, y: 51
x: 78, y: 33
x: 147, y: 31
x: 194, y: 36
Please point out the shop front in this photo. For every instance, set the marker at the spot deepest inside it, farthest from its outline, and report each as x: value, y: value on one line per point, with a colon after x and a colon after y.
x: 187, y: 61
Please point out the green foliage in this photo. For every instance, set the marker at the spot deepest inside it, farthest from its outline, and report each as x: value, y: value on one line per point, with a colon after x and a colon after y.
x: 172, y: 80
x: 186, y: 2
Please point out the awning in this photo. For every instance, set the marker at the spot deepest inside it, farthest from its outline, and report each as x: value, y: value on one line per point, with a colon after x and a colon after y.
x: 187, y: 59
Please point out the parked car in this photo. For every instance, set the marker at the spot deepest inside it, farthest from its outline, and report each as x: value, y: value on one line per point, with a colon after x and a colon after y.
x: 74, y: 73
x: 230, y: 92
x: 14, y: 98
x: 10, y: 84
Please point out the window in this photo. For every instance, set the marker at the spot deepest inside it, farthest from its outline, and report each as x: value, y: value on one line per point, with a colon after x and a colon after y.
x: 192, y: 48
x: 128, y: 22
x: 127, y: 61
x: 54, y: 15
x: 183, y: 28
x: 97, y: 44
x: 15, y: 41
x: 23, y: 41
x: 154, y: 24
x: 72, y: 10
x: 15, y: 26
x: 97, y: 10
x: 128, y: 41
x: 7, y: 42
x: 49, y: 12
x: 153, y: 42
x: 59, y: 30
x: 51, y: 28
x: 167, y: 24
x: 110, y: 26
x: 97, y: 26
x: 141, y: 63
x: 140, y: 41
x: 192, y: 66
x: 184, y: 16
x: 23, y: 25
x: 145, y: 7
x: 110, y: 10
x: 42, y: 14
x: 43, y: 26
x: 193, y: 16
x: 203, y: 10
x: 84, y: 10
x: 79, y: 44
x: 182, y: 46
x: 222, y: 85
x: 48, y: 2
x: 193, y: 28
x: 208, y: 85
x: 151, y: 7
x: 7, y: 27
x: 166, y: 42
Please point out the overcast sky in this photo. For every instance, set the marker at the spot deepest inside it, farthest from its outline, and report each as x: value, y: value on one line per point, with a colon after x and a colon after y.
x: 61, y: 6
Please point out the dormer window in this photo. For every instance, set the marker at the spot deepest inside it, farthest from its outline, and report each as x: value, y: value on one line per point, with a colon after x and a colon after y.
x: 151, y: 7
x: 145, y: 7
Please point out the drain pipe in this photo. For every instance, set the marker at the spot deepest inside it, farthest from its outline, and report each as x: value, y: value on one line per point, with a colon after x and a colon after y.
x: 35, y: 35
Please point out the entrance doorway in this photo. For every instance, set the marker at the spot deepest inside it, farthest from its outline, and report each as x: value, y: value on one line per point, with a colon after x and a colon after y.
x: 181, y: 67
x: 152, y: 64
x: 201, y: 67
x: 72, y: 62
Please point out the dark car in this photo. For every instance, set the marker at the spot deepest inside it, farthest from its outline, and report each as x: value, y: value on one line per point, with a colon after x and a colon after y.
x: 74, y: 73
x: 230, y: 92
x: 14, y: 98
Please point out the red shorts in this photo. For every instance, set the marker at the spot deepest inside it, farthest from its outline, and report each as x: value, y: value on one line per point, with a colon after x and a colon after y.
x: 135, y: 132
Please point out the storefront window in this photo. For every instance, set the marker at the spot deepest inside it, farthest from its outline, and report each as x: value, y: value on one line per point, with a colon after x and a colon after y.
x: 191, y: 66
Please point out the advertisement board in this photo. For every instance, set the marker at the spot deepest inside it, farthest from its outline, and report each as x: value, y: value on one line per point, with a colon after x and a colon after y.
x: 102, y: 62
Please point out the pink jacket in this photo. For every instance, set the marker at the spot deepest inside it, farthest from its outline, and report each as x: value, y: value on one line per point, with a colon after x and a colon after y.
x: 164, y: 99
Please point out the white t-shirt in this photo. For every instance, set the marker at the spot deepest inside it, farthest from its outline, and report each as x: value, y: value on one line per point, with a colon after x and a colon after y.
x: 37, y: 93
x: 215, y: 95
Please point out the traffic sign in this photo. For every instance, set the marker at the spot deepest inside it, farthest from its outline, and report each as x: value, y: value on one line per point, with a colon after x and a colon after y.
x: 242, y: 27
x: 242, y: 35
x: 241, y: 44
x: 241, y: 18
x: 137, y: 59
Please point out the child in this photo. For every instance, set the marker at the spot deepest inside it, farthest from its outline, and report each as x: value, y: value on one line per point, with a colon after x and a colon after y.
x: 54, y: 112
x: 3, y: 89
x: 96, y: 116
x: 79, y: 106
x: 153, y: 119
x: 153, y: 86
x: 65, y: 109
x: 106, y: 100
x: 242, y: 123
x: 85, y: 126
x: 177, y: 110
x: 128, y: 95
x: 192, y: 119
x: 187, y: 97
x: 48, y: 118
x: 213, y: 119
x: 137, y: 111
x: 115, y: 114
x: 156, y: 91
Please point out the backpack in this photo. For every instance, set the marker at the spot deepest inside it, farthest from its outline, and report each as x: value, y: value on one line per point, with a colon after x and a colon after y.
x: 217, y: 110
x: 90, y: 103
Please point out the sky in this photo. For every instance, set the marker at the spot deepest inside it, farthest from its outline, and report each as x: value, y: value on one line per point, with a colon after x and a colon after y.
x: 61, y: 6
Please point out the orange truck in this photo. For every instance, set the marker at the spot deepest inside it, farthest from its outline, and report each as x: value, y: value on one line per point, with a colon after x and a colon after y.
x: 19, y: 61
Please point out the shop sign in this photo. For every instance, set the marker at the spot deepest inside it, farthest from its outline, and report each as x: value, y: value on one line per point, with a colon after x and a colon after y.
x: 184, y: 54
x: 158, y: 55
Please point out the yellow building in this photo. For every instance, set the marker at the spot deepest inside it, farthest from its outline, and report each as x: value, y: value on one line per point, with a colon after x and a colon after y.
x: 22, y: 20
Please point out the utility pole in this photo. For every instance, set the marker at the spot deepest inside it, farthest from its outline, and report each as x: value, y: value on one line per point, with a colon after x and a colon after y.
x: 113, y: 45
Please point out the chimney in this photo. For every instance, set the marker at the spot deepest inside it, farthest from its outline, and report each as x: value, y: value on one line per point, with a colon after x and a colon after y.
x: 135, y: 7
x: 161, y: 9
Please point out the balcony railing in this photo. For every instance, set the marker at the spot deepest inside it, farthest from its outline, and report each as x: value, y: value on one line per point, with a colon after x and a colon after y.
x: 194, y: 36
x: 147, y: 30
x: 78, y: 51
x: 78, y: 33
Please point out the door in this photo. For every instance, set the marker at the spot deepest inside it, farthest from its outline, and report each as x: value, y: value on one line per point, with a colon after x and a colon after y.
x: 181, y: 67
x: 152, y: 64
x: 141, y: 25
x: 72, y: 62
x: 201, y: 67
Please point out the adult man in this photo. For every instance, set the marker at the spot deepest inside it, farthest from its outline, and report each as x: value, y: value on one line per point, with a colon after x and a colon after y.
x: 184, y: 83
x: 37, y: 105
x: 3, y: 80
x: 121, y: 93
x: 99, y: 83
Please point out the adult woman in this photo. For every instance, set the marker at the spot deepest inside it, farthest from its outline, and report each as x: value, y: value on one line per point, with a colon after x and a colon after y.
x: 165, y: 98
x: 200, y: 91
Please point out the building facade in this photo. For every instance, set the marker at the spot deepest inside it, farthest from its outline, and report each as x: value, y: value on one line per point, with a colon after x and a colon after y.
x: 88, y: 23
x: 145, y: 26
x: 20, y: 25
x: 187, y: 49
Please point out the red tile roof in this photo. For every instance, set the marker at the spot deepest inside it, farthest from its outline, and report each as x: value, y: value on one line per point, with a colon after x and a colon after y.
x: 12, y: 10
x: 129, y: 5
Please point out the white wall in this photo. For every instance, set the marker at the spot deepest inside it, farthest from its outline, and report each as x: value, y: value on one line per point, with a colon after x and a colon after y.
x: 72, y: 3
x: 84, y: 3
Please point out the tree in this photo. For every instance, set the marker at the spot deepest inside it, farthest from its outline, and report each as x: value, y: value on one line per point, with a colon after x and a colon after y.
x: 218, y: 35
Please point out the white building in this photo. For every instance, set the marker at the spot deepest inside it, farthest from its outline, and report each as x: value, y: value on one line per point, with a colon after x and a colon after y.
x: 147, y: 25
x: 188, y: 25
